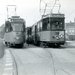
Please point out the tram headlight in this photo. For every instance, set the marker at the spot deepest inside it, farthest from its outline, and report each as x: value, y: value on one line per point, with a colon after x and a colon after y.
x: 17, y: 38
x: 57, y: 37
x: 61, y: 36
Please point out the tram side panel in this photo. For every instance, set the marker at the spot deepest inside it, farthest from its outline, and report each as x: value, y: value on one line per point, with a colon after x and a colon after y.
x: 51, y: 37
x: 45, y: 36
x: 51, y: 32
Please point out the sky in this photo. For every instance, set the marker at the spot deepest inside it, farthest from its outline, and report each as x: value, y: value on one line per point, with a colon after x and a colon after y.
x: 30, y: 10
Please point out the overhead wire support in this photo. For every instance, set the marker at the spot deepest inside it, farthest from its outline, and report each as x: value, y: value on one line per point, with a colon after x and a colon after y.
x: 49, y: 7
x: 54, y: 5
x: 70, y: 13
x: 59, y: 8
x: 45, y: 9
x: 8, y: 10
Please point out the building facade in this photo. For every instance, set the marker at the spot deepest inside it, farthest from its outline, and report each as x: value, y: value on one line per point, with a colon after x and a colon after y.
x: 70, y: 30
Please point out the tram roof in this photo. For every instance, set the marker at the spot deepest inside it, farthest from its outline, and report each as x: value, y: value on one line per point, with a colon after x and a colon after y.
x: 15, y: 16
x: 53, y: 16
x: 16, y: 19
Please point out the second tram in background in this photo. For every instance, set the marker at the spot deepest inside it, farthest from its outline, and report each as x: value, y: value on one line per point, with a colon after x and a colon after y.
x: 15, y: 31
x: 50, y: 30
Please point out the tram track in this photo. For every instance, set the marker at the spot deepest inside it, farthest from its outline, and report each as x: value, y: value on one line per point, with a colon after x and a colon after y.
x: 50, y: 57
x: 22, y: 69
x: 53, y: 63
x: 57, y: 64
x: 15, y: 66
x: 10, y: 65
x: 49, y: 60
x: 70, y: 52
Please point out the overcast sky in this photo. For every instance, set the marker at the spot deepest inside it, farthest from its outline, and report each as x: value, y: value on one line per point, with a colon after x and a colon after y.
x: 29, y: 10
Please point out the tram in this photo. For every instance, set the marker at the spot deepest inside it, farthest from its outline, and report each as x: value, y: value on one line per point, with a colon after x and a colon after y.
x: 14, y: 31
x: 50, y: 30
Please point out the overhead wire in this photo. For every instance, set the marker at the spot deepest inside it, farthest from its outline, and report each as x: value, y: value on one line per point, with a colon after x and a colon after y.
x: 53, y: 5
x: 56, y: 6
x: 70, y: 13
x: 31, y: 12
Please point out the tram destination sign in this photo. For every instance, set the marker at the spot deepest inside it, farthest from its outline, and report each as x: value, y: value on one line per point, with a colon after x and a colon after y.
x: 53, y: 15
x: 17, y: 20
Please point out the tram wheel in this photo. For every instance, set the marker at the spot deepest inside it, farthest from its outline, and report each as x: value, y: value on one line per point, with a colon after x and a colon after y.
x: 8, y: 44
x: 56, y: 45
x: 19, y: 45
x: 44, y: 45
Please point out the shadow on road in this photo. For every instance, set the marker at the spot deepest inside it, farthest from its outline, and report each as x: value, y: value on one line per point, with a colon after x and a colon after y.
x: 2, y: 49
x: 34, y: 46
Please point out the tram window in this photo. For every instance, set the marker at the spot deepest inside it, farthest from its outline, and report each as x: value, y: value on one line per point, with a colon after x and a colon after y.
x: 40, y: 26
x: 33, y: 29
x: 43, y: 25
x: 23, y: 27
x: 30, y: 30
x: 46, y: 24
x: 36, y: 29
x: 57, y: 24
x: 8, y: 27
x: 18, y: 27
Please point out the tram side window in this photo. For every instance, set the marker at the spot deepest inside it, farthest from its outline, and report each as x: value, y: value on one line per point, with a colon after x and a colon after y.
x: 36, y: 29
x: 23, y: 27
x: 44, y: 27
x: 40, y: 26
x: 46, y: 24
x: 30, y: 30
x: 8, y: 27
x: 33, y: 29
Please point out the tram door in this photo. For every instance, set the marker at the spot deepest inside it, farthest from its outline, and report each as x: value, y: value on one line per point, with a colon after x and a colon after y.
x: 35, y: 33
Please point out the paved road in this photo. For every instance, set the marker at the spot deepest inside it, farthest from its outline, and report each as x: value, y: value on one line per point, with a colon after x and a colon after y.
x: 2, y: 53
x: 33, y: 60
x: 1, y: 48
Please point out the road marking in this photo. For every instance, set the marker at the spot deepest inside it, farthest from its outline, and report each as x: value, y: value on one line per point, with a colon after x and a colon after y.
x: 8, y: 61
x: 8, y: 74
x: 8, y: 64
x: 8, y: 55
x: 8, y: 69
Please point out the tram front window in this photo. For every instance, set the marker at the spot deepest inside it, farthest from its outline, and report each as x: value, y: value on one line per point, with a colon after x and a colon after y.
x: 18, y: 27
x: 57, y: 24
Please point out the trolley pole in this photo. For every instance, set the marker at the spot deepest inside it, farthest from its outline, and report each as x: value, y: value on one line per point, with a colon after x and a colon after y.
x: 11, y: 10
